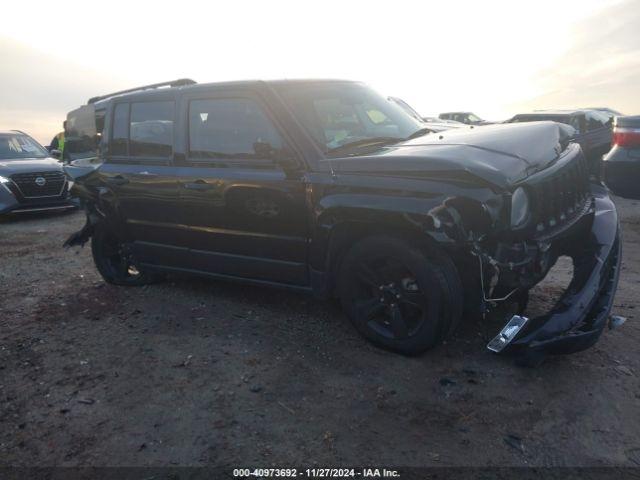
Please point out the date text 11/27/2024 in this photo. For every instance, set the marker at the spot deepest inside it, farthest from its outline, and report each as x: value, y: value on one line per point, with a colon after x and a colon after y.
x: 316, y: 473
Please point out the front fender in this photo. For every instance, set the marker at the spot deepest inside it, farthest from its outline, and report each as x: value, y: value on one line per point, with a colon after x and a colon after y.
x: 440, y: 212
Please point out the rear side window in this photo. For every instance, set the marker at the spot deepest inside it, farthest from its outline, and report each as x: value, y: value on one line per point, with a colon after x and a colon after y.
x: 231, y: 128
x: 120, y: 137
x: 151, y: 129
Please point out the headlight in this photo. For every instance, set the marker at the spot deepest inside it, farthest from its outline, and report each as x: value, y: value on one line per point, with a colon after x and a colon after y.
x: 4, y: 179
x: 519, y: 207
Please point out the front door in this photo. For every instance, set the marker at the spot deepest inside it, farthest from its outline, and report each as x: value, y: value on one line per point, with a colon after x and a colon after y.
x: 243, y: 210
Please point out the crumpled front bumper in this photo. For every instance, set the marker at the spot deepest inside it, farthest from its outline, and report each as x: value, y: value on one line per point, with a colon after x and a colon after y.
x: 579, y: 317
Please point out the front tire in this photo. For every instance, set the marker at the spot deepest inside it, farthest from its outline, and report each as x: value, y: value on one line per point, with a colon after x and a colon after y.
x: 400, y: 296
x: 113, y: 261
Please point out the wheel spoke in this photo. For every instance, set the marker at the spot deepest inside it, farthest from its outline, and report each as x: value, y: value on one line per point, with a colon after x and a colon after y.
x: 367, y: 309
x: 415, y: 299
x: 398, y: 325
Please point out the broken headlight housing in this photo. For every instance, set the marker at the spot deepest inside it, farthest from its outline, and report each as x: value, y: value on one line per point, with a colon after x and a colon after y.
x: 519, y: 207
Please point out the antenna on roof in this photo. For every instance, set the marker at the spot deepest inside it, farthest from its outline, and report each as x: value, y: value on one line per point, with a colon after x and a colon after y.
x: 181, y: 82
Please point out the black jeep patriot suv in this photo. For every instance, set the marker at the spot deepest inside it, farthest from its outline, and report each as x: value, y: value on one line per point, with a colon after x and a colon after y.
x: 327, y: 187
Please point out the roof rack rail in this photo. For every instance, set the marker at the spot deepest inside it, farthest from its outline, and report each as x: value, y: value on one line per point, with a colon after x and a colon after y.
x: 173, y: 83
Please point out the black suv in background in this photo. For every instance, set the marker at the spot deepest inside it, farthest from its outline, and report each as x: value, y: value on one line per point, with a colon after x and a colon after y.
x: 592, y: 130
x: 468, y: 118
x: 435, y: 124
x: 328, y: 187
x: 30, y: 180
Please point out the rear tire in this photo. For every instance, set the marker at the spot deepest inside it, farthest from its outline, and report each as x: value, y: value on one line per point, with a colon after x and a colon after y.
x: 400, y: 296
x: 114, y: 264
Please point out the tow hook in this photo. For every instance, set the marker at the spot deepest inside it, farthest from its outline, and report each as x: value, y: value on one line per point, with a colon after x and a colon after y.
x: 615, y: 321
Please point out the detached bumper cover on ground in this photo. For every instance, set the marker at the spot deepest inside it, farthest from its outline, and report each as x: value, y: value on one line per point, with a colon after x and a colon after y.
x: 579, y: 317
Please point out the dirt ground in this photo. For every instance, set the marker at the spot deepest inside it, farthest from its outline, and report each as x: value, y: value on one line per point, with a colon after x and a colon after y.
x: 199, y: 372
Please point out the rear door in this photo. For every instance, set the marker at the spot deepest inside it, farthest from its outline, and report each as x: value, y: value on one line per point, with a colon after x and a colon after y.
x: 242, y: 193
x: 138, y: 175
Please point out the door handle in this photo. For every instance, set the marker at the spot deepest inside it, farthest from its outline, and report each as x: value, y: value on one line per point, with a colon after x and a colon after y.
x: 117, y: 180
x: 198, y: 185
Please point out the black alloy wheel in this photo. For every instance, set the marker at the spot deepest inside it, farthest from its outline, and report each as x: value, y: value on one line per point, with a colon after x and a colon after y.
x: 114, y: 261
x: 400, y: 296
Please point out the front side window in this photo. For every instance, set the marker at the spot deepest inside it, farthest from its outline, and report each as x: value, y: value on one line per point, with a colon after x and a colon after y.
x: 231, y: 128
x: 151, y: 129
x: 337, y: 115
x: 14, y: 146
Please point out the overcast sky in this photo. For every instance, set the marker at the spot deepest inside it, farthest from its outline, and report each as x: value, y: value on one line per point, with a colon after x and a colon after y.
x: 493, y: 57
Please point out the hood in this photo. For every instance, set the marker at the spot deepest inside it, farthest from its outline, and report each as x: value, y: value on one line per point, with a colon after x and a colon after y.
x: 499, y: 154
x: 442, y: 126
x: 26, y: 165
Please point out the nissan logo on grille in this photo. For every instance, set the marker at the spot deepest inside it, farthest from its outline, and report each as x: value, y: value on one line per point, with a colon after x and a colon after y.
x: 40, y: 181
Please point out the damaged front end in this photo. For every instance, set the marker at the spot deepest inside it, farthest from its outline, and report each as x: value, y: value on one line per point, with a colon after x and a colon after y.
x: 569, y: 216
x: 82, y: 236
x: 86, y: 189
x: 579, y: 317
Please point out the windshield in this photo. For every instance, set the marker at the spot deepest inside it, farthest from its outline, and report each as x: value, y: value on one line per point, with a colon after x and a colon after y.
x: 14, y: 146
x: 338, y: 114
x: 407, y: 108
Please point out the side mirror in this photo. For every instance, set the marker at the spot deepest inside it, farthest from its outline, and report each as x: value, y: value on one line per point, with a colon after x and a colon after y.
x: 57, y: 154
